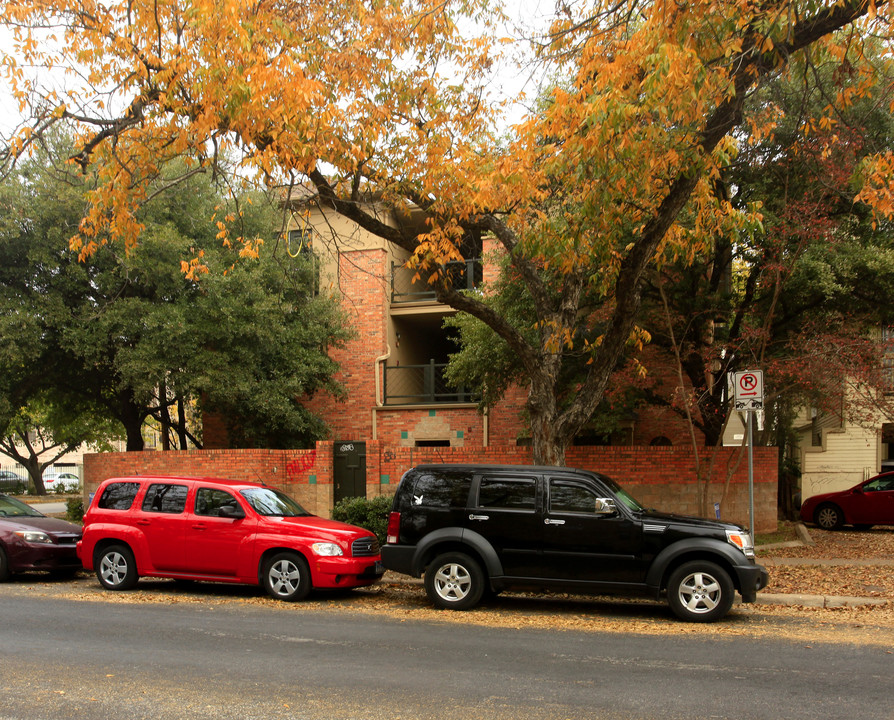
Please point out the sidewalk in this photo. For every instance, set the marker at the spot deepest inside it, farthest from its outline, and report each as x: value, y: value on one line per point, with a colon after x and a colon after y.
x: 821, y: 601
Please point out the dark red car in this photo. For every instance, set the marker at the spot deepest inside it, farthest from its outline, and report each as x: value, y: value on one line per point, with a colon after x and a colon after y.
x: 869, y: 503
x: 29, y: 540
x: 222, y: 531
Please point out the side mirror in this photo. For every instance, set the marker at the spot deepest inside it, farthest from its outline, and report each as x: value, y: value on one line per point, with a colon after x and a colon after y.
x: 229, y: 511
x: 605, y: 506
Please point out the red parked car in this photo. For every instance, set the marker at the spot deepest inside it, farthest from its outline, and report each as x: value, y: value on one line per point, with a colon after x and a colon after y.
x: 221, y: 531
x: 869, y: 503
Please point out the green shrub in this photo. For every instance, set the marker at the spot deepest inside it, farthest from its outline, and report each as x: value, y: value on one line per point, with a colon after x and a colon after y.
x: 369, y: 513
x: 74, y: 509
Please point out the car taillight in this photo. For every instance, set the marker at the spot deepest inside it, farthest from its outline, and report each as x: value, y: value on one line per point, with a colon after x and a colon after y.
x: 393, y: 528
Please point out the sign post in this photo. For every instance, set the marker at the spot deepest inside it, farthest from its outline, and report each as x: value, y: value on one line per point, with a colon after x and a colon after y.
x: 748, y: 387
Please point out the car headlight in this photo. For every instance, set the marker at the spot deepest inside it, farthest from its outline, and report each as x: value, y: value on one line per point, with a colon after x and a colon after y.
x: 34, y: 536
x: 741, y: 540
x: 326, y: 548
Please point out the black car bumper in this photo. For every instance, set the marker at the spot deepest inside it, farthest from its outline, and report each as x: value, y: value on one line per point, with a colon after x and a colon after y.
x: 399, y: 558
x: 751, y: 578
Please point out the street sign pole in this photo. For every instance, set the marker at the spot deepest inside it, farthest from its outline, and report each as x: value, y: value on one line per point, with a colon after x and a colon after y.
x: 748, y: 389
x: 751, y: 474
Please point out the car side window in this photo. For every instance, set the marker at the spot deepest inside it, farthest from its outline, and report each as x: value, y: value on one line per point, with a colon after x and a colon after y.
x: 209, y: 501
x: 118, y: 496
x: 165, y: 498
x: 566, y: 497
x: 879, y: 484
x: 514, y: 494
x: 441, y: 490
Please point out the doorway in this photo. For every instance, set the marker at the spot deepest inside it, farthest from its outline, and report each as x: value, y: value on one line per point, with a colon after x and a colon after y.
x: 349, y: 470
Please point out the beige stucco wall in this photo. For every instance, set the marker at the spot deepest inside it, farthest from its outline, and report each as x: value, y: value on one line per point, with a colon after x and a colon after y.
x: 847, y: 456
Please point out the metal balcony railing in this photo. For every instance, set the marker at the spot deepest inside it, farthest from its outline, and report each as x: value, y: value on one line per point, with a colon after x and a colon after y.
x: 422, y: 385
x: 465, y: 275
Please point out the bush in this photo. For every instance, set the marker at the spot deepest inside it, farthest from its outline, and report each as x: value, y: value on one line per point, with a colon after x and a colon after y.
x: 369, y: 513
x: 74, y: 509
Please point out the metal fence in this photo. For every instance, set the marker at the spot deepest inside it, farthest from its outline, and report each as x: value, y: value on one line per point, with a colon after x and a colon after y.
x: 14, y: 478
x: 421, y: 385
x: 465, y: 275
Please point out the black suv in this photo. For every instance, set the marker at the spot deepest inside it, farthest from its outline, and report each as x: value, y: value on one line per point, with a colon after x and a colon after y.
x: 476, y: 529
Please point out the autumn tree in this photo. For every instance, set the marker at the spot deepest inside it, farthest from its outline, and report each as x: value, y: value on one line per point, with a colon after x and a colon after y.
x: 617, y: 173
x: 795, y: 296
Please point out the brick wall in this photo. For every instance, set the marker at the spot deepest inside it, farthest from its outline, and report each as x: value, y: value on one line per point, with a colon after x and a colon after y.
x: 661, y: 477
x: 360, y: 280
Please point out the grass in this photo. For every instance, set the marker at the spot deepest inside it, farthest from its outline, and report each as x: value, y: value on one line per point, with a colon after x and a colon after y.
x: 785, y: 532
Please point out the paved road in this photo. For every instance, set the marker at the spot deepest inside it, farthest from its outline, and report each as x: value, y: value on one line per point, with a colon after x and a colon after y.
x: 74, y: 659
x: 49, y: 508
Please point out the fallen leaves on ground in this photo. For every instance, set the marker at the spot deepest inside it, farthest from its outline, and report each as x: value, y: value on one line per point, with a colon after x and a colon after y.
x: 858, y: 581
x: 846, y: 544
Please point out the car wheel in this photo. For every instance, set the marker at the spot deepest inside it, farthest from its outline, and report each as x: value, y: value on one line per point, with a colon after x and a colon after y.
x: 287, y: 577
x: 829, y: 517
x: 116, y: 568
x: 4, y: 566
x: 700, y: 591
x: 454, y: 581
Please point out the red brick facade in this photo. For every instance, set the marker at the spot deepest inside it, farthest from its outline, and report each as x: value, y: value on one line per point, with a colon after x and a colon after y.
x: 662, y: 477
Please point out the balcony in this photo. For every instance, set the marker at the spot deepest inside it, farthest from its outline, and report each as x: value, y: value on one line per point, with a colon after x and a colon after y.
x: 422, y: 385
x: 465, y: 275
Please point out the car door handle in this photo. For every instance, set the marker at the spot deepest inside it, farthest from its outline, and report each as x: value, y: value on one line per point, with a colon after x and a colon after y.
x: 550, y: 521
x: 143, y: 522
x: 479, y: 517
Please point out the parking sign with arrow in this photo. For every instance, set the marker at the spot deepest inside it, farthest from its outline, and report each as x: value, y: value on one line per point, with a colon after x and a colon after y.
x: 748, y: 388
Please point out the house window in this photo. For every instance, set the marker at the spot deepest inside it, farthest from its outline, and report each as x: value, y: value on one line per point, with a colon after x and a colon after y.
x: 300, y: 242
x: 299, y: 246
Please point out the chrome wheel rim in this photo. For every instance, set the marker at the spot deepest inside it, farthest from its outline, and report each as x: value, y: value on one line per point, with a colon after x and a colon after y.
x: 827, y: 518
x: 113, y: 568
x: 453, y: 582
x: 700, y: 593
x: 284, y: 577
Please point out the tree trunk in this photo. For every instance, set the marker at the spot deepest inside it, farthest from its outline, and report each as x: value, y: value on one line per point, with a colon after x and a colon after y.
x: 181, y: 423
x: 548, y: 440
x: 165, y: 416
x: 547, y: 448
x: 35, y: 472
x: 132, y: 417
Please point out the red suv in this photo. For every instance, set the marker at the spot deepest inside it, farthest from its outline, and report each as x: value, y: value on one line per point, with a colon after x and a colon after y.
x: 221, y: 531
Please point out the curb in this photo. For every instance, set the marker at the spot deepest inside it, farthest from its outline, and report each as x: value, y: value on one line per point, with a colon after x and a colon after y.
x: 818, y: 601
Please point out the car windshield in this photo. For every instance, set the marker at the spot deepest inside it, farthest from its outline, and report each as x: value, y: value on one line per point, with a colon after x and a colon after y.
x: 10, y: 507
x: 270, y: 502
x: 630, y: 502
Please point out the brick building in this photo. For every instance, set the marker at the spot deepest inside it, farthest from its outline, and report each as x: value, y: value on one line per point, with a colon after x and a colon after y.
x: 399, y: 410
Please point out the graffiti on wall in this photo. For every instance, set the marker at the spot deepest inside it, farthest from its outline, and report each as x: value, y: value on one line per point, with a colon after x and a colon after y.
x: 295, y: 468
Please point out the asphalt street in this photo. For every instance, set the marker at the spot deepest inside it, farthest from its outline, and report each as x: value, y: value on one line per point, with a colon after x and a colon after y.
x: 67, y: 659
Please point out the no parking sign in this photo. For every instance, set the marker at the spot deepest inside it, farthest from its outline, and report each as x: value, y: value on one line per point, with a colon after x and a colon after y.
x: 748, y: 388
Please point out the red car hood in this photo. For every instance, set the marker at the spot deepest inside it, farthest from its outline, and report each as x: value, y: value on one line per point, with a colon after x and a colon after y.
x: 51, y: 526
x: 312, y: 525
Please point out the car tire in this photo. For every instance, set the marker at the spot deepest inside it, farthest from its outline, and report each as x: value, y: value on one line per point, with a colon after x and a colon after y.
x: 700, y: 591
x: 454, y: 581
x: 286, y: 576
x: 829, y: 517
x: 5, y: 574
x: 116, y: 568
